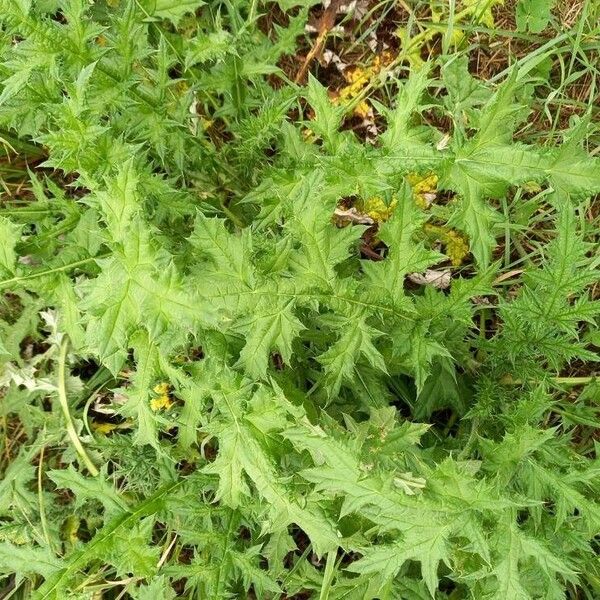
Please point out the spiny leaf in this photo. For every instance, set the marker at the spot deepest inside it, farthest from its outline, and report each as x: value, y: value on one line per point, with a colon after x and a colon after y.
x: 137, y: 405
x: 25, y: 559
x: 428, y: 545
x: 271, y: 327
x: 171, y: 9
x: 54, y: 586
x: 89, y: 488
x: 327, y: 116
x: 355, y: 342
x: 119, y: 202
x: 406, y: 253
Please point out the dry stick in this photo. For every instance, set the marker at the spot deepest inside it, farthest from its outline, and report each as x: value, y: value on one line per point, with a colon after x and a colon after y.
x: 326, y: 23
x: 165, y: 554
x: 62, y: 398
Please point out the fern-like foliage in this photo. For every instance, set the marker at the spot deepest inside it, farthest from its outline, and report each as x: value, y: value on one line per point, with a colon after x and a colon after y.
x: 260, y: 384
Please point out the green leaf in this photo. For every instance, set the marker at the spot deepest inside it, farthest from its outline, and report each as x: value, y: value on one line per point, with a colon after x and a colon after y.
x: 422, y: 352
x: 14, y: 486
x: 327, y: 116
x: 507, y: 574
x: 230, y: 255
x: 533, y: 15
x: 119, y: 202
x: 137, y: 287
x: 340, y: 359
x: 10, y: 234
x: 406, y: 253
x: 247, y: 564
x: 476, y: 218
x: 401, y: 133
x: 89, y: 488
x: 15, y: 83
x: 113, y: 311
x: 55, y: 585
x: 465, y: 92
x: 27, y: 560
x: 273, y: 326
x: 173, y: 10
x: 131, y: 550
x: 283, y: 509
x: 203, y: 48
x: 229, y: 465
x: 137, y: 405
x: 241, y: 453
x: 322, y: 245
x: 188, y: 233
x: 158, y: 588
x: 427, y: 544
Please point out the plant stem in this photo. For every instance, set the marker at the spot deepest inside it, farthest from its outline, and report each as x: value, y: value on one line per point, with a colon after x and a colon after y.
x: 328, y: 575
x: 574, y: 381
x: 72, y: 265
x: 62, y: 398
x: 43, y: 519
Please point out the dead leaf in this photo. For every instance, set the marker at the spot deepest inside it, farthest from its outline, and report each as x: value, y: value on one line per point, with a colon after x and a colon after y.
x: 438, y: 279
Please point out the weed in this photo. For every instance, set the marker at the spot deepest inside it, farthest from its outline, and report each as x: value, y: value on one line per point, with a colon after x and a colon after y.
x: 250, y: 348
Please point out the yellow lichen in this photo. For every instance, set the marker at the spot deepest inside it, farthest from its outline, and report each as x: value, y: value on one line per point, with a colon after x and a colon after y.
x: 161, y: 388
x: 362, y: 109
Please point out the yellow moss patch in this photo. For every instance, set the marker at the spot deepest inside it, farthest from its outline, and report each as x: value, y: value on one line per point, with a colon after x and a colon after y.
x: 104, y: 428
x: 358, y: 78
x: 377, y: 208
x: 424, y: 188
x: 455, y: 243
x: 162, y: 400
x: 162, y: 388
x: 71, y: 529
x: 206, y: 123
x: 532, y: 187
x: 362, y: 109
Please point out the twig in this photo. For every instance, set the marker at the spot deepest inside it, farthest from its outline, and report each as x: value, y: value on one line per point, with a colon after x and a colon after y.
x: 165, y: 554
x: 326, y: 23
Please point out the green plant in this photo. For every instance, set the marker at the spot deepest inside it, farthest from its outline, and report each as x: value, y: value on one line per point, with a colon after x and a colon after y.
x: 214, y: 388
x: 533, y: 15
